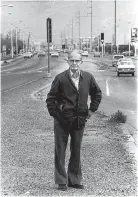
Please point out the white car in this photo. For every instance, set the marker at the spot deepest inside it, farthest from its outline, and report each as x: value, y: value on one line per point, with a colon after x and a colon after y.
x: 41, y: 53
x: 85, y: 53
x: 125, y: 66
x: 28, y: 55
x: 54, y: 54
x: 116, y: 58
x: 96, y: 54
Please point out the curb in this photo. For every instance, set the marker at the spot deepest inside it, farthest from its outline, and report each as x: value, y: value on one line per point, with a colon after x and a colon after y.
x: 10, y: 60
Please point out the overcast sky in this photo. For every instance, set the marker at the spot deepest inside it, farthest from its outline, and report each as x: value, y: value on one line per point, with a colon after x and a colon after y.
x: 33, y: 15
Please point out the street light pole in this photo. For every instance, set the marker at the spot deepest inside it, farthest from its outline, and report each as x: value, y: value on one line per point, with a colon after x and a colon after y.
x: 115, y: 27
x: 11, y: 43
x: 91, y: 28
x: 129, y: 37
x: 23, y: 42
x: 72, y: 34
x: 79, y: 31
x: 16, y: 42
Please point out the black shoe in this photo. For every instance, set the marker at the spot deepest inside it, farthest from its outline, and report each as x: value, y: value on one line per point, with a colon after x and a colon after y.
x: 62, y: 187
x: 77, y: 186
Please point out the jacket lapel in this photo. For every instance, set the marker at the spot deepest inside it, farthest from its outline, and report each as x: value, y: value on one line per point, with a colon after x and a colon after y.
x: 70, y: 80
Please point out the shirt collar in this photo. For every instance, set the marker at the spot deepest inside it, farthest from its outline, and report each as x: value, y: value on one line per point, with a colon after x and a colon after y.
x: 71, y: 73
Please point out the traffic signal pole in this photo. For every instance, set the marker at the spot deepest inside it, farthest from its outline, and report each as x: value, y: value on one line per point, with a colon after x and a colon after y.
x: 102, y: 41
x: 49, y: 39
x: 102, y: 50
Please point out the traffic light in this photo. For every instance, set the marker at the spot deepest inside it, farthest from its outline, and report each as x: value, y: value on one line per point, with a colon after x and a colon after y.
x: 63, y: 46
x: 49, y: 30
x: 102, y: 38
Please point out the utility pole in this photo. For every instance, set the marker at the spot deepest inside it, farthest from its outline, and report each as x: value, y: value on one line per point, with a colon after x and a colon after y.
x: 129, y: 37
x: 49, y: 40
x: 72, y: 34
x: 115, y: 27
x: 11, y: 43
x: 61, y: 38
x: 91, y: 28
x: 79, y: 30
x: 16, y: 42
x: 98, y: 43
x: 23, y: 42
x: 28, y: 42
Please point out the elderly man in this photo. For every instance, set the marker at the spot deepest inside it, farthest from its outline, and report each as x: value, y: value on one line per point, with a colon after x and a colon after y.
x: 67, y: 103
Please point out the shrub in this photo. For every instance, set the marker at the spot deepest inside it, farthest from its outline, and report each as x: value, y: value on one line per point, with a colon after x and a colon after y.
x: 118, y: 117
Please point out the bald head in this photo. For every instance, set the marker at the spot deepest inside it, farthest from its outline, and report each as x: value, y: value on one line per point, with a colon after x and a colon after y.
x: 74, y: 55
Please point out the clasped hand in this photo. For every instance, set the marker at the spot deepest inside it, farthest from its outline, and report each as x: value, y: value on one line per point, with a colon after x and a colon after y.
x: 90, y: 113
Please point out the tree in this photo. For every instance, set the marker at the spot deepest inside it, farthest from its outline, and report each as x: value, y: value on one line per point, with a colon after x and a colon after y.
x: 6, y: 40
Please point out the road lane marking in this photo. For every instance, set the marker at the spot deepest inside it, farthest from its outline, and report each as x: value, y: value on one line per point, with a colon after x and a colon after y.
x: 107, y: 88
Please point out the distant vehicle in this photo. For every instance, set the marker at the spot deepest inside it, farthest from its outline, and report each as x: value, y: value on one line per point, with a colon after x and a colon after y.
x: 27, y: 55
x: 116, y: 58
x: 96, y: 54
x: 126, y: 53
x: 80, y: 51
x: 41, y: 53
x: 66, y: 50
x: 54, y: 54
x: 85, y: 53
x: 125, y: 66
x: 34, y: 53
x: 124, y: 59
x: 58, y: 50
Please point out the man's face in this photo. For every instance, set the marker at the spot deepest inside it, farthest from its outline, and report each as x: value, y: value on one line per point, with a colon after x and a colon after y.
x: 74, y: 61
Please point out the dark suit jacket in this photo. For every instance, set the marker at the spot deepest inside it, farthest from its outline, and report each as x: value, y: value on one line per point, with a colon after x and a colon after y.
x: 72, y: 103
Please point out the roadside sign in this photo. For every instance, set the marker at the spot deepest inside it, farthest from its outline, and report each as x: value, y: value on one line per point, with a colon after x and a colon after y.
x: 134, y: 34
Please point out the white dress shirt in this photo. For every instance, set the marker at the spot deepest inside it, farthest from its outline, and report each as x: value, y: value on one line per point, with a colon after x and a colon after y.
x: 75, y: 79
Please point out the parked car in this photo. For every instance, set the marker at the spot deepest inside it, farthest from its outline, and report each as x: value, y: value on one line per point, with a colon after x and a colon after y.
x: 116, y: 58
x: 41, y: 53
x: 96, y: 54
x: 125, y: 66
x: 54, y: 54
x: 27, y: 55
x: 85, y: 53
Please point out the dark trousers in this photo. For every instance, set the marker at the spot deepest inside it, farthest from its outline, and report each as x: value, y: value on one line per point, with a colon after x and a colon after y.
x: 74, y: 174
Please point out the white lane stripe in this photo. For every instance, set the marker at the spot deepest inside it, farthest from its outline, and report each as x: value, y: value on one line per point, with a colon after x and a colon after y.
x: 107, y: 88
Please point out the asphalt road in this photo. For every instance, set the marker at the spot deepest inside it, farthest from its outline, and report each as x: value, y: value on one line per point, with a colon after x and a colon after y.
x: 119, y: 93
x: 26, y: 71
